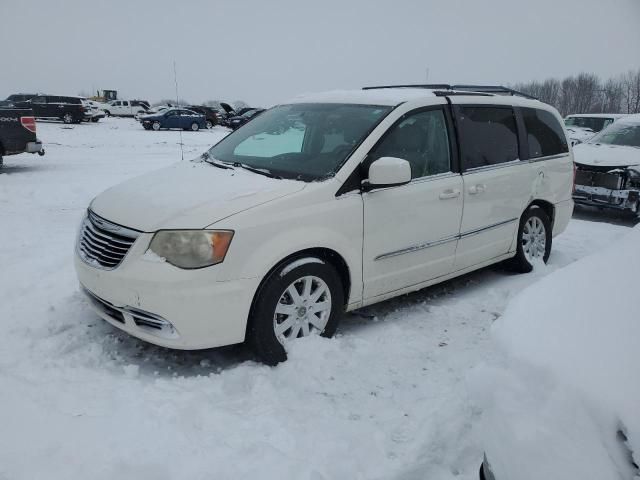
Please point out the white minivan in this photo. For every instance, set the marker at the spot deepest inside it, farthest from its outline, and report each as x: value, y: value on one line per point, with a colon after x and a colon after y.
x: 323, y: 205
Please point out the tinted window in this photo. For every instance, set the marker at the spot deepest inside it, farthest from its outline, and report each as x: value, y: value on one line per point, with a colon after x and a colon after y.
x: 489, y: 136
x: 39, y: 100
x: 422, y: 140
x: 544, y: 133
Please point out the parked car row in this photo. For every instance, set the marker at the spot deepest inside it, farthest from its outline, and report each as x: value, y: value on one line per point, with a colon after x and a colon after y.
x: 75, y: 109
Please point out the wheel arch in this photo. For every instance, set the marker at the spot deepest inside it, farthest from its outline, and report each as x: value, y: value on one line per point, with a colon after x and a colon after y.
x: 546, y: 206
x: 326, y: 254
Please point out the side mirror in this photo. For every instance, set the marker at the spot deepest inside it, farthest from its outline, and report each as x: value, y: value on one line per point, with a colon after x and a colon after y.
x: 387, y: 172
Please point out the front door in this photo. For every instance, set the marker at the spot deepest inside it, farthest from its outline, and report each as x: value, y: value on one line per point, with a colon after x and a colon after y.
x: 171, y: 119
x: 410, y: 231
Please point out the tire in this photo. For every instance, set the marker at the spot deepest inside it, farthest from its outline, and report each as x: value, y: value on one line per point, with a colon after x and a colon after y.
x: 209, y: 124
x: 67, y: 118
x: 95, y: 120
x: 195, y: 127
x: 297, y: 316
x: 535, y: 227
x: 107, y: 113
x: 156, y: 125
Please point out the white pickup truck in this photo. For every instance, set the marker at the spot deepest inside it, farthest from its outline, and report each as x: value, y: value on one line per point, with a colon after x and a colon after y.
x: 126, y: 108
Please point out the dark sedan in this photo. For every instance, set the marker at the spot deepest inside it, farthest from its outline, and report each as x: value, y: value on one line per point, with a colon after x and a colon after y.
x: 174, y: 118
x: 239, y: 120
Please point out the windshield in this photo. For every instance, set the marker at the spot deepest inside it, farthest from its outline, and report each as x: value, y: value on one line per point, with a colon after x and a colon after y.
x: 620, y: 133
x: 301, y: 141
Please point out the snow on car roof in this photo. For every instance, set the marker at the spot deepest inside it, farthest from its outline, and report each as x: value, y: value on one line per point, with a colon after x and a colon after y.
x: 635, y: 118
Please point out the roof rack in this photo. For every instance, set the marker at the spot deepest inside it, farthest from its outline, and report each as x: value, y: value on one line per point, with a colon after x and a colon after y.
x: 472, y: 89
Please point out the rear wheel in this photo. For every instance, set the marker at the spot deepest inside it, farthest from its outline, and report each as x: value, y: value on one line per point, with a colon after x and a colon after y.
x: 534, y: 240
x: 209, y: 124
x: 301, y: 297
x: 195, y: 127
x: 107, y: 113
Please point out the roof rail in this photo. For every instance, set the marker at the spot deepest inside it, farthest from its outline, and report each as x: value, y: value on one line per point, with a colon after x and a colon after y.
x: 492, y: 89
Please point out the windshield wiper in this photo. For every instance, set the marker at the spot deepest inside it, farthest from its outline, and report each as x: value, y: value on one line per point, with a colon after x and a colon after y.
x: 259, y: 171
x: 212, y: 161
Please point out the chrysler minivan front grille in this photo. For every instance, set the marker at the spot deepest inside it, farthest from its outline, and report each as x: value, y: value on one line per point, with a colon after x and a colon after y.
x: 104, y: 244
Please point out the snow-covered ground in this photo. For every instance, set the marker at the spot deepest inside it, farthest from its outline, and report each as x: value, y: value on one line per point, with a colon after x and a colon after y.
x: 387, y: 398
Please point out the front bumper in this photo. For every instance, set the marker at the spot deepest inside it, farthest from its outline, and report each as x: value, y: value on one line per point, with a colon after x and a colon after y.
x: 34, y: 147
x: 607, y: 198
x: 167, y: 306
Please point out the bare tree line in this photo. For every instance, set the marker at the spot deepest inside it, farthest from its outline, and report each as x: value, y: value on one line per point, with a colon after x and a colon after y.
x: 588, y: 93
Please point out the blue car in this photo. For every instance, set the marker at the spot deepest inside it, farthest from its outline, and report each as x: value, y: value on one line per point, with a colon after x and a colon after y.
x: 174, y: 118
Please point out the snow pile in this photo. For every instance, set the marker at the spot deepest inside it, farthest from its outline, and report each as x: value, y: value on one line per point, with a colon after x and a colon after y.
x: 569, y: 378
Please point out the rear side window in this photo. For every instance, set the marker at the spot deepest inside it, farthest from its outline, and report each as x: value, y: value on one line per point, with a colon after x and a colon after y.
x: 545, y: 136
x: 488, y: 135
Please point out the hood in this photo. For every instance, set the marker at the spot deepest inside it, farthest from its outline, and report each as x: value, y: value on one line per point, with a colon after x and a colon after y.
x: 227, y: 108
x: 602, y: 155
x: 187, y: 195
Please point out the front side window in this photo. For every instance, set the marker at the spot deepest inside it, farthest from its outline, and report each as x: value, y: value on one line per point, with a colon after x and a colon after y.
x: 422, y: 140
x: 619, y: 133
x: 488, y: 135
x: 545, y: 136
x: 39, y: 100
x: 300, y: 141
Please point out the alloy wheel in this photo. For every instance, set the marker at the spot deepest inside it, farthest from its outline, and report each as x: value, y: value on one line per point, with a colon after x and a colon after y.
x: 304, y: 306
x: 534, y: 239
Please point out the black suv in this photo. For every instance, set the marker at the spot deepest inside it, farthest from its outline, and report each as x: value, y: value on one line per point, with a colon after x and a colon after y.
x: 55, y: 107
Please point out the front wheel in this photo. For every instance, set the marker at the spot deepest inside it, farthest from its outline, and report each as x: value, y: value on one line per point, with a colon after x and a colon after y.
x: 67, y: 118
x: 107, y: 113
x: 195, y: 127
x: 156, y: 126
x: 209, y: 124
x: 301, y: 297
x: 534, y: 240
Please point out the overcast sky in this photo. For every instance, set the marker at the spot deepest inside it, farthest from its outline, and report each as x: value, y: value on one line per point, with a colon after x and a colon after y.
x: 264, y: 52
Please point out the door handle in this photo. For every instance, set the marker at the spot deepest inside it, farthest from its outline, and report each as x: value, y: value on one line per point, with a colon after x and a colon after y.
x: 451, y: 193
x: 475, y: 189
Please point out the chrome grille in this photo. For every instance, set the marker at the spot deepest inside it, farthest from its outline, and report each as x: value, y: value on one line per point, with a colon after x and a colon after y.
x: 102, y: 243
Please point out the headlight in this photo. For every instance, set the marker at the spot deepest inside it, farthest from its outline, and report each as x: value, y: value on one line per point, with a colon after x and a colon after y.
x: 191, y: 248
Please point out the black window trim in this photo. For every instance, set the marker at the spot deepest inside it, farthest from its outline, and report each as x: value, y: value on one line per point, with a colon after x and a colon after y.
x: 354, y: 180
x: 522, y: 131
x: 519, y: 135
x: 453, y: 150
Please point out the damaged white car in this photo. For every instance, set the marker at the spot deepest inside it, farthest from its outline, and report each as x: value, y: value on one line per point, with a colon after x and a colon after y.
x: 608, y: 168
